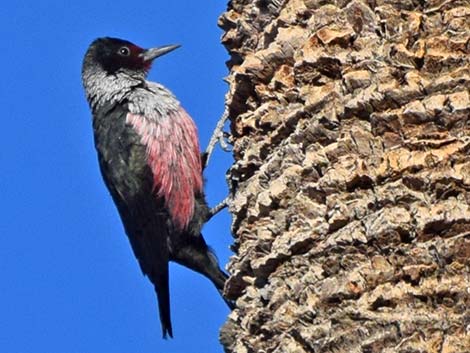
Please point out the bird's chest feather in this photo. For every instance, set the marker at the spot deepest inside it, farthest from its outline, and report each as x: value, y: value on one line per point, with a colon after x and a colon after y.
x: 172, y: 153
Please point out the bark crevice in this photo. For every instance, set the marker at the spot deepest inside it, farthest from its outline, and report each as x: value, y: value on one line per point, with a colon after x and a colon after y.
x: 350, y: 124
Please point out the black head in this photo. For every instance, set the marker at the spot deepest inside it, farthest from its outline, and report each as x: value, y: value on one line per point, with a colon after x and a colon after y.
x: 113, y: 54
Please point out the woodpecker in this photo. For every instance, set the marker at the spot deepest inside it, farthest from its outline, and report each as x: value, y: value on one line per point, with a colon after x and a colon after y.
x: 149, y: 157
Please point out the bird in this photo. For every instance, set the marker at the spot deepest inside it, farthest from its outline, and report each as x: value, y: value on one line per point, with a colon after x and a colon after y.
x: 150, y: 161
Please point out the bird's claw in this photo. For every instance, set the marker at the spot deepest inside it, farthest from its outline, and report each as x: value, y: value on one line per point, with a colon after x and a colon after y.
x: 218, y: 136
x: 224, y: 141
x: 217, y: 208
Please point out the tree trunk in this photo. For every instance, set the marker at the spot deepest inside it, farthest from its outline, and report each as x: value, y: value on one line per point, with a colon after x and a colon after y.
x: 351, y: 181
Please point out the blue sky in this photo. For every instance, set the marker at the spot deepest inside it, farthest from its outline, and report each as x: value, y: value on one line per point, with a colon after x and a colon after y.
x: 70, y: 282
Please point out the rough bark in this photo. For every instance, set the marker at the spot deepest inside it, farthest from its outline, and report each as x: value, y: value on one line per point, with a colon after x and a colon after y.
x: 351, y: 181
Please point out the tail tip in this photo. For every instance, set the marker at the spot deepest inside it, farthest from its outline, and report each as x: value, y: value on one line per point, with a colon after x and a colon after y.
x: 167, y: 331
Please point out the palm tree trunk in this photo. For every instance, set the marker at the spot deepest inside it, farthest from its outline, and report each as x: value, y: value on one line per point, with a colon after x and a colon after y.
x: 351, y: 181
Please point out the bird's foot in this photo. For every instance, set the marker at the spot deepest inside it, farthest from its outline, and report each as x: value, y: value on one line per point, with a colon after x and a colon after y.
x: 218, y: 136
x: 217, y: 208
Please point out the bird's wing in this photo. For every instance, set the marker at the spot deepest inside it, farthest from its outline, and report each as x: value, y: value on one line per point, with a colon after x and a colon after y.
x: 122, y: 159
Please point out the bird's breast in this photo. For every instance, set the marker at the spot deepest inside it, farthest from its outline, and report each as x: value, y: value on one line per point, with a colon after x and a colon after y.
x: 173, y: 155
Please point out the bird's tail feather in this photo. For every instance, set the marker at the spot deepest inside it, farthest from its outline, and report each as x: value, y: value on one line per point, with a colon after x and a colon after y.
x: 163, y: 295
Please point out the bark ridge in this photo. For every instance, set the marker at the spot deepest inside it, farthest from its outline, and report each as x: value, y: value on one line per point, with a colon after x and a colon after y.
x: 351, y: 180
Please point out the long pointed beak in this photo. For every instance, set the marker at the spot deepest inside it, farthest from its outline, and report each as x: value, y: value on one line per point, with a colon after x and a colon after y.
x: 153, y: 53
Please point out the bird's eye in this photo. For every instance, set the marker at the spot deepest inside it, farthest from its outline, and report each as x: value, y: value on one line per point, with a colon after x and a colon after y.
x: 124, y: 51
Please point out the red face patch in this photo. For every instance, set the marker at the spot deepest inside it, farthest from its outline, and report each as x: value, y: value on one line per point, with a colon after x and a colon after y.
x: 130, y: 56
x: 114, y: 54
